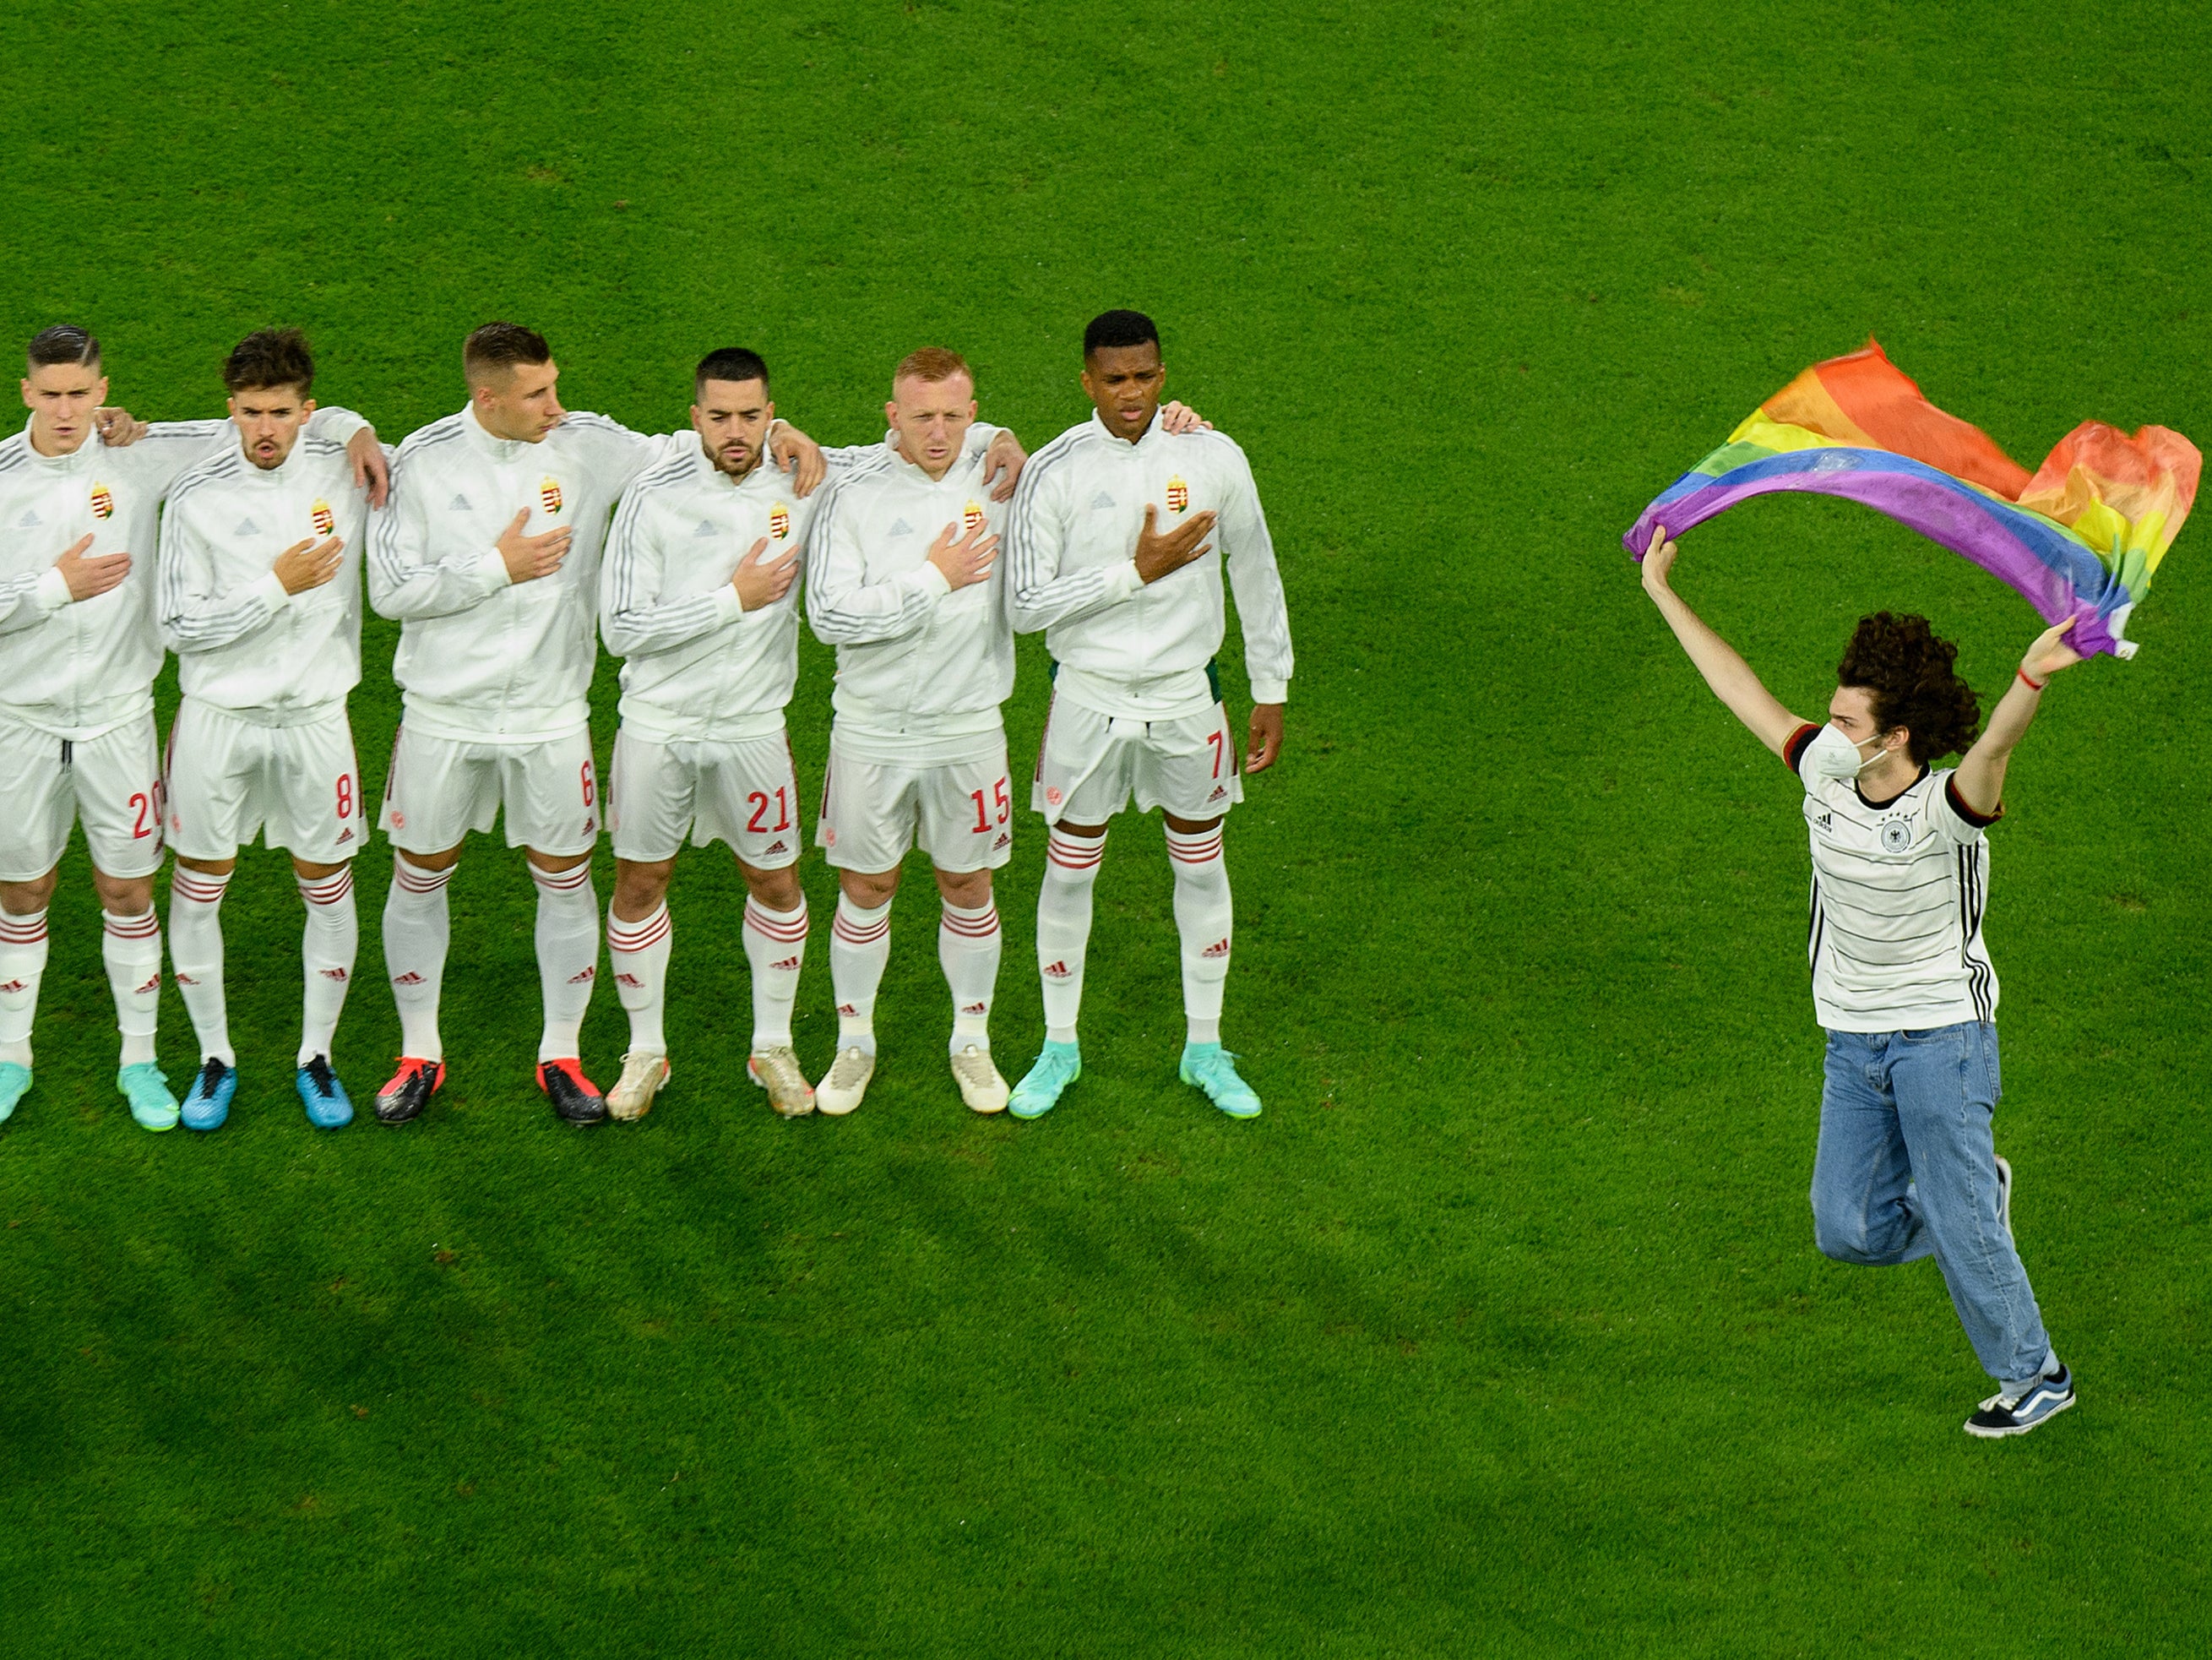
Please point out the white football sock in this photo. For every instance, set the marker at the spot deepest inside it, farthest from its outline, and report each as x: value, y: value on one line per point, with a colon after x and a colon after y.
x: 22, y: 963
x: 968, y: 947
x: 196, y: 956
x: 639, y: 951
x: 1203, y: 918
x: 131, y: 948
x: 416, y: 930
x: 568, y: 955
x: 1063, y: 936
x: 775, y: 946
x: 860, y: 948
x: 328, y: 945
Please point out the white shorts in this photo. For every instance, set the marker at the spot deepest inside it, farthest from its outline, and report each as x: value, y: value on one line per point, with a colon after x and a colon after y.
x: 1089, y: 765
x: 958, y: 813
x: 112, y: 782
x: 743, y: 794
x: 438, y: 790
x: 227, y: 779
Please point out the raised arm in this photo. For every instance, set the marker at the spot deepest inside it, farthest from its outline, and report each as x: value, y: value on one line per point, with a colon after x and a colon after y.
x: 1981, y: 774
x: 1727, y: 673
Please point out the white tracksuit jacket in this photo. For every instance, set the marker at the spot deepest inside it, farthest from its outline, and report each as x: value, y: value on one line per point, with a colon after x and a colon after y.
x: 915, y: 659
x: 1124, y: 647
x: 696, y: 666
x: 77, y: 670
x: 242, y: 643
x: 482, y: 660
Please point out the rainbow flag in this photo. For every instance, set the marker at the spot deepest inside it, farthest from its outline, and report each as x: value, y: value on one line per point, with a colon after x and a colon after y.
x: 2079, y: 538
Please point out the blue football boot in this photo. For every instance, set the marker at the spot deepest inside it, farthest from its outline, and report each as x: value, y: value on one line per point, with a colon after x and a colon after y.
x: 1058, y: 1065
x: 207, y: 1104
x: 328, y: 1107
x: 15, y: 1084
x: 1211, y: 1068
x: 146, y: 1087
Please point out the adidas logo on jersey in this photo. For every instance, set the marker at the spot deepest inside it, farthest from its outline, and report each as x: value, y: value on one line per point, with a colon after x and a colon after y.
x: 1101, y: 499
x: 409, y: 978
x: 30, y: 520
x: 247, y: 527
x: 1825, y: 821
x: 344, y: 836
x: 706, y: 528
x: 900, y: 527
x: 1218, y: 948
x: 774, y: 847
x: 1005, y: 841
x: 583, y: 979
x: 1058, y: 971
x: 459, y: 504
x: 1219, y: 794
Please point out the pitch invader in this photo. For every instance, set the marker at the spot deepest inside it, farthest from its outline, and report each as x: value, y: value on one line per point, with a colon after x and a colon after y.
x: 490, y: 561
x: 698, y: 596
x: 905, y: 582
x: 79, y: 649
x: 259, y: 597
x: 1134, y: 616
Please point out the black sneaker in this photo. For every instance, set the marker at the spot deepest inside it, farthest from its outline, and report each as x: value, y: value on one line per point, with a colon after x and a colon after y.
x: 574, y: 1096
x: 2016, y: 1414
x: 409, y: 1090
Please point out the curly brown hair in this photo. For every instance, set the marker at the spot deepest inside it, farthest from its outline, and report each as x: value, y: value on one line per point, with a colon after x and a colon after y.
x: 1908, y: 671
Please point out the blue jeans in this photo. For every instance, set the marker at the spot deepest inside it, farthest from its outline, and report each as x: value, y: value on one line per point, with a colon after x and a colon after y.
x: 1906, y: 1168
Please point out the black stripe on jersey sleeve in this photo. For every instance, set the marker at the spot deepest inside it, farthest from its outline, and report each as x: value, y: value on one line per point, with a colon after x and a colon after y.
x: 1793, y: 751
x: 1957, y: 803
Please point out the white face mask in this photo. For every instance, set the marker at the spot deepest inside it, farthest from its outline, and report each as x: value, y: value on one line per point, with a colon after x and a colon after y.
x: 1834, y: 756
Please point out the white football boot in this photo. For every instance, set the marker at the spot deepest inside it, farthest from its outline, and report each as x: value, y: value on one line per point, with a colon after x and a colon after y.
x: 777, y: 1072
x: 840, y: 1091
x: 643, y: 1073
x: 981, y: 1086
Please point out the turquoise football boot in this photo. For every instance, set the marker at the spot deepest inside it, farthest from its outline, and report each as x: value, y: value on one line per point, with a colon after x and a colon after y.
x: 1058, y: 1065
x: 15, y: 1084
x: 146, y: 1087
x: 329, y: 1106
x: 1211, y: 1068
x: 207, y: 1103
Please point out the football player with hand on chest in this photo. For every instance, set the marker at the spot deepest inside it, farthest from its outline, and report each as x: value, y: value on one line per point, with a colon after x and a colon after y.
x: 260, y: 596
x: 1112, y: 547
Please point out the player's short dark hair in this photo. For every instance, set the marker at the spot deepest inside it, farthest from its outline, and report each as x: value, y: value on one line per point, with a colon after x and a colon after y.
x: 1909, y: 673
x: 1110, y: 329
x: 270, y: 357
x: 729, y: 363
x: 502, y: 346
x: 932, y: 364
x: 64, y: 342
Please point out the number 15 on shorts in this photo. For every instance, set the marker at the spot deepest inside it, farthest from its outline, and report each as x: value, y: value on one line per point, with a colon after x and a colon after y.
x: 1001, y: 803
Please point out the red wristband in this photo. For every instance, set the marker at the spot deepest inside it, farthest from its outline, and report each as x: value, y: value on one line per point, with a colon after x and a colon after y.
x: 2033, y: 685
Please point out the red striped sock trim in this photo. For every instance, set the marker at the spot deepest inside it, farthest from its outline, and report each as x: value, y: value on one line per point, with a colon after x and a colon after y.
x: 22, y: 930
x: 969, y: 928
x: 861, y: 933
x: 413, y: 879
x: 640, y: 936
x: 326, y: 889
x: 196, y: 886
x: 562, y: 881
x: 1074, y: 852
x: 1198, y: 853
x: 785, y: 927
x: 148, y: 926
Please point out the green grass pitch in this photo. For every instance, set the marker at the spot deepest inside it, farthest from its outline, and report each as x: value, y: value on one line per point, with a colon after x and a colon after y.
x: 1503, y: 1332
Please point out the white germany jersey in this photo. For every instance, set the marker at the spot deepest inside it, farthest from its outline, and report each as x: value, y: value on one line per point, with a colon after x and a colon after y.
x: 1898, y: 889
x: 482, y: 660
x: 242, y: 643
x: 695, y: 664
x: 1141, y: 649
x: 916, y: 660
x: 75, y: 670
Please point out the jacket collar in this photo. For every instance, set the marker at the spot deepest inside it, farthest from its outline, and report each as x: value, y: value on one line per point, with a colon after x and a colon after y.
x: 500, y: 449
